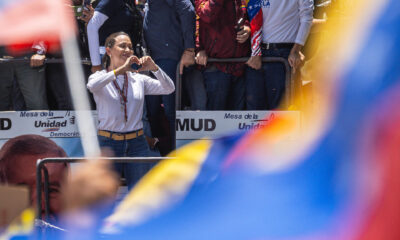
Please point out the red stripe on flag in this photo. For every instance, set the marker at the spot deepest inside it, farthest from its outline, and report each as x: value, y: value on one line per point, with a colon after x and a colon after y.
x: 256, y: 22
x: 32, y: 20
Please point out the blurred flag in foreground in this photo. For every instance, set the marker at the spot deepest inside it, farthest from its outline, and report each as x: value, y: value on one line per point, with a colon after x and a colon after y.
x: 26, y: 21
x: 339, y: 181
x: 23, y: 22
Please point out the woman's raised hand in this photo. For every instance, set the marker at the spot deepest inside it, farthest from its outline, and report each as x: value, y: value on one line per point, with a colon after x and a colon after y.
x: 147, y: 64
x: 126, y: 67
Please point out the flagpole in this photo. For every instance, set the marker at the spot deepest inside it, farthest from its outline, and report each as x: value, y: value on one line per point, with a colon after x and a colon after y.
x: 79, y: 96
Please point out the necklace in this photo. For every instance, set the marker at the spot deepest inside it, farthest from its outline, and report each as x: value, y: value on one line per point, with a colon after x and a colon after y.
x: 123, y: 95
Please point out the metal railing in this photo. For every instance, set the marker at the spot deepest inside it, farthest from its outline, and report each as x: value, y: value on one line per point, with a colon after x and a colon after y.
x: 84, y: 61
x: 41, y: 168
x: 289, y: 80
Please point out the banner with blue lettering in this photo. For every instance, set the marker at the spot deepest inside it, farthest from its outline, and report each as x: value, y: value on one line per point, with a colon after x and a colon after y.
x: 61, y: 127
x: 191, y: 125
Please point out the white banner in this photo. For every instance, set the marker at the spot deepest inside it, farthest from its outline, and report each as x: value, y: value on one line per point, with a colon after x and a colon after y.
x: 53, y: 124
x: 61, y: 126
x: 192, y: 125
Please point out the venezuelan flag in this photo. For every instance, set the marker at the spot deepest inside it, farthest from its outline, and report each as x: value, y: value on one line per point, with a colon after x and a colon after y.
x: 255, y: 16
x: 339, y: 182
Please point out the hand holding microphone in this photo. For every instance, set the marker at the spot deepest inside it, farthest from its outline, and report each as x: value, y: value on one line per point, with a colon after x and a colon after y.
x: 242, y: 32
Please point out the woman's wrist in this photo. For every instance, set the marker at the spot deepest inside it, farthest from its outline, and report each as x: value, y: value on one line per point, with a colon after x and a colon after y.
x: 156, y: 68
x: 119, y: 71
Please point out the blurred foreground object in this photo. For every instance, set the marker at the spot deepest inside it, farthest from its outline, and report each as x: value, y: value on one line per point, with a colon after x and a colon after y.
x: 33, y: 20
x: 53, y: 22
x: 88, y: 198
x: 94, y: 182
x: 13, y: 200
x: 339, y: 182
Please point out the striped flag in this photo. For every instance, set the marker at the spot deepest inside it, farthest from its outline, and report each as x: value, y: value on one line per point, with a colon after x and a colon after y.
x: 27, y: 21
x: 254, y: 12
x: 23, y: 22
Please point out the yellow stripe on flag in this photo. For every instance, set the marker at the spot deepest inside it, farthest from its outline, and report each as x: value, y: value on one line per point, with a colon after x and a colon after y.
x: 163, y: 186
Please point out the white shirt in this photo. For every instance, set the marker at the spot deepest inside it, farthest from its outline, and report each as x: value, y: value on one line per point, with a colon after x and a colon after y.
x: 110, y: 112
x: 286, y: 21
x: 93, y: 27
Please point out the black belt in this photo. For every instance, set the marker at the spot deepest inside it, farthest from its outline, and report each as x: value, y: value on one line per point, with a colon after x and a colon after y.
x: 266, y: 46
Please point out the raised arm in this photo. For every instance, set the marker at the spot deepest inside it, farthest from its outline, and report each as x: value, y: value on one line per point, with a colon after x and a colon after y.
x: 99, y: 79
x: 163, y: 84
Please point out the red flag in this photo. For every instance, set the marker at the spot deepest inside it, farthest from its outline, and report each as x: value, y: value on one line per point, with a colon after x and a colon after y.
x: 26, y: 21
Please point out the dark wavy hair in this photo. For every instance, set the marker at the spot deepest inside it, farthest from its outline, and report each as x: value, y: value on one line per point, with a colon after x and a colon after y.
x: 110, y: 42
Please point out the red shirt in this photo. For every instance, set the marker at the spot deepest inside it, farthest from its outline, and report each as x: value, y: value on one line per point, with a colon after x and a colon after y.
x: 217, y: 20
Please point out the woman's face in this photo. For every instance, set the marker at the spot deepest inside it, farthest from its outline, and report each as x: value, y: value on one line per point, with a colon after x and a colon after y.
x: 121, y: 50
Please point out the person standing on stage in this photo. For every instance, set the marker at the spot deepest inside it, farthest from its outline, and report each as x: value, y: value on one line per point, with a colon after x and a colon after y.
x: 285, y: 28
x: 169, y: 32
x: 119, y: 92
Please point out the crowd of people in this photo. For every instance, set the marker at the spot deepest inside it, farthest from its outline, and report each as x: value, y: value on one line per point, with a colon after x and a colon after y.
x: 182, y: 32
x: 187, y: 33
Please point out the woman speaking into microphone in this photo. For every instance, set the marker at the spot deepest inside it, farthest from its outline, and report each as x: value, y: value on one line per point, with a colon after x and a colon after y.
x: 119, y: 92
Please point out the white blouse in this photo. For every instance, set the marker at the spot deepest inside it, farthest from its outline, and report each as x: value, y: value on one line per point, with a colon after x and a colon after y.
x: 110, y: 112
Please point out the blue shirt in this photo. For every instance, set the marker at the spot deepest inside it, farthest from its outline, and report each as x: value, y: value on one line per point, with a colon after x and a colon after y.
x: 119, y: 19
x: 169, y: 27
